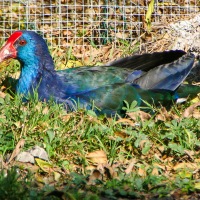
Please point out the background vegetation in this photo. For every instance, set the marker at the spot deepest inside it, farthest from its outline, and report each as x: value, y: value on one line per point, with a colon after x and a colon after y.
x: 47, y: 153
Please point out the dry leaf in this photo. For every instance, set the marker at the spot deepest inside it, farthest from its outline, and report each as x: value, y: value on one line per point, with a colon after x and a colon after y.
x: 47, y: 11
x: 45, y: 110
x: 2, y: 94
x: 155, y: 171
x: 97, y: 157
x: 190, y: 154
x: 142, y: 172
x: 185, y: 165
x: 29, y: 166
x: 90, y: 168
x: 121, y: 134
x: 197, y: 160
x: 109, y: 172
x: 56, y: 176
x: 190, y: 111
x: 66, y: 118
x: 125, y: 121
x: 121, y: 35
x: 139, y: 114
x: 130, y: 167
x: 95, y: 175
x: 16, y: 151
x: 161, y: 148
x: 163, y: 115
x: 142, y: 143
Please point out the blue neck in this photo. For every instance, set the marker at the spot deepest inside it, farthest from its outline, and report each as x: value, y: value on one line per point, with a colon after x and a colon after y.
x: 37, y: 73
x: 29, y: 73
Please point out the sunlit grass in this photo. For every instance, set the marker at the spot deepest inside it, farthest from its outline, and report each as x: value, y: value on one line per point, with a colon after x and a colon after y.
x: 143, y: 158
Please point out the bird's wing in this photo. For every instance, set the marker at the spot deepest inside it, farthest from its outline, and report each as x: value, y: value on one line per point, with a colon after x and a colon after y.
x: 109, y: 99
x: 146, y: 62
x: 167, y: 76
x: 83, y: 79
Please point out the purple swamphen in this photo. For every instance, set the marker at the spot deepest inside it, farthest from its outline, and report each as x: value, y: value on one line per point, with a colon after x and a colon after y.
x: 153, y: 78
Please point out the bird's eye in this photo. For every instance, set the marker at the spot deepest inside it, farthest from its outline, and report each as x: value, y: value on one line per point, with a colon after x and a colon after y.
x: 22, y: 42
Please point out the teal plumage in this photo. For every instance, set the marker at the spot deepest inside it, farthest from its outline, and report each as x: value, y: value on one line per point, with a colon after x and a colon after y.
x: 154, y: 78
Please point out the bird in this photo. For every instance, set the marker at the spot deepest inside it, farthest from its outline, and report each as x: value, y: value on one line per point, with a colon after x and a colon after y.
x: 154, y: 78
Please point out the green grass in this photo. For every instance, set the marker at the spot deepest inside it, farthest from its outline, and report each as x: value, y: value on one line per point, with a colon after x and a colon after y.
x: 164, y: 154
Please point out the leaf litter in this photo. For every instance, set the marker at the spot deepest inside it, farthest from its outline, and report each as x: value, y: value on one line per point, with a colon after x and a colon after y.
x: 152, y: 157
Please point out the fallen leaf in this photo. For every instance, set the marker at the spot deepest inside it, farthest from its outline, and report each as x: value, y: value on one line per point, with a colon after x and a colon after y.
x: 142, y: 172
x: 161, y: 148
x: 125, y: 121
x: 66, y: 118
x: 29, y: 166
x: 45, y: 166
x: 16, y: 151
x: 109, y: 172
x: 121, y: 35
x: 130, y: 166
x: 38, y: 107
x: 155, y: 171
x: 185, y: 165
x: 95, y: 175
x: 190, y: 154
x: 45, y: 110
x: 90, y: 168
x: 196, y: 114
x: 190, y: 111
x: 143, y: 143
x: 56, y: 176
x: 163, y: 115
x: 139, y: 114
x: 97, y: 157
x: 47, y: 11
x: 18, y: 124
x: 197, y: 160
x: 121, y: 134
x: 2, y: 94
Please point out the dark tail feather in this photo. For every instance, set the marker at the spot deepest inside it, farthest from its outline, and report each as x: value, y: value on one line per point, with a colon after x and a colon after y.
x: 167, y: 76
x: 145, y: 62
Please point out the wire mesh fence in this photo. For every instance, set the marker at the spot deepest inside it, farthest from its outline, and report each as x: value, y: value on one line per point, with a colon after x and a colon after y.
x: 89, y: 22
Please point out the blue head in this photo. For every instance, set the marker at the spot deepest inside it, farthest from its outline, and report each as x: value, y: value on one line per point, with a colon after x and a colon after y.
x: 29, y: 48
x: 32, y: 52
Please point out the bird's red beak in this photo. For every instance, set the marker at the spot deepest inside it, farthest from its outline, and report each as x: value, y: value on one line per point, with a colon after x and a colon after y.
x: 8, y: 50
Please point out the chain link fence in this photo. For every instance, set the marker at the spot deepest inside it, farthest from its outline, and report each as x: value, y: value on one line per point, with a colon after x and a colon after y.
x: 90, y: 22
